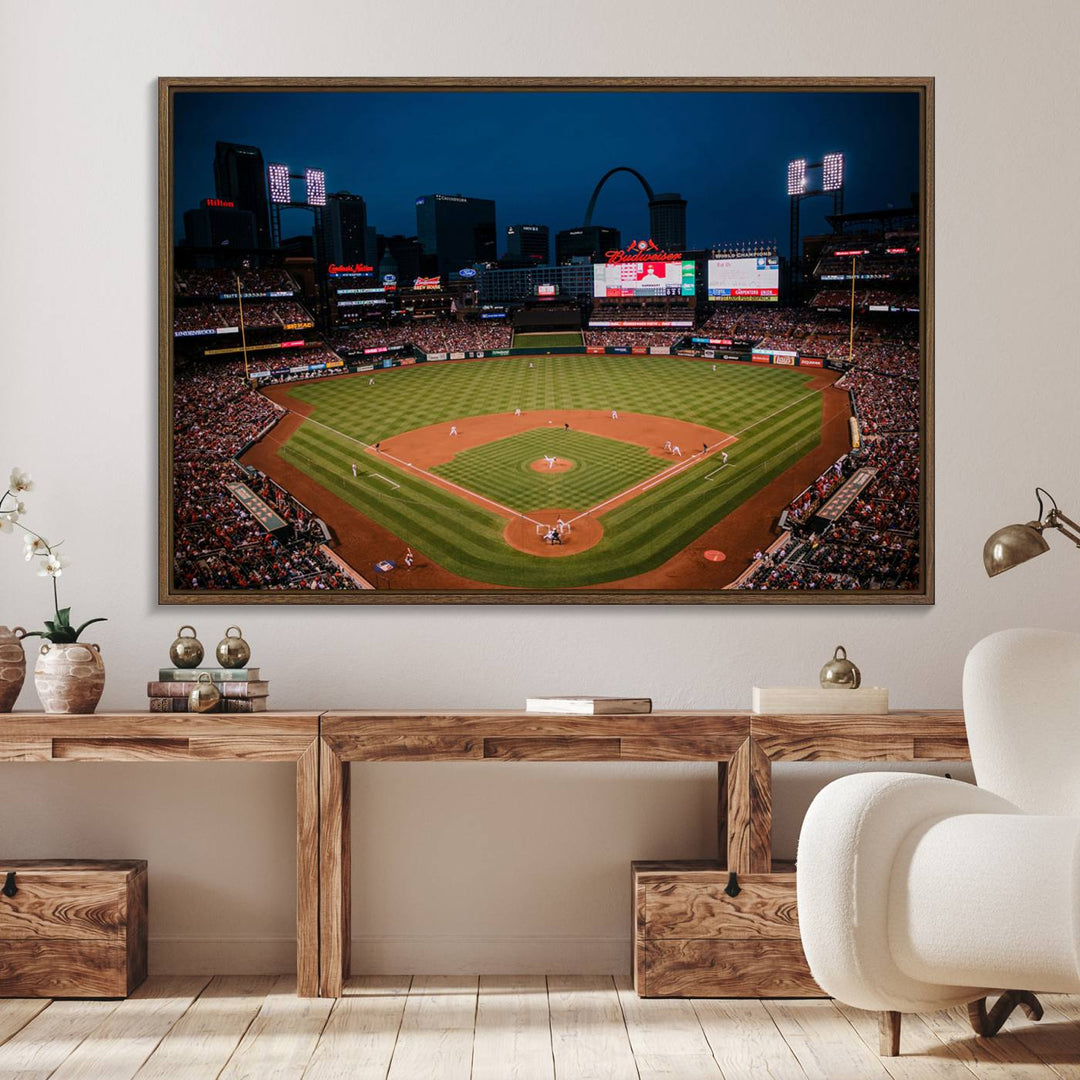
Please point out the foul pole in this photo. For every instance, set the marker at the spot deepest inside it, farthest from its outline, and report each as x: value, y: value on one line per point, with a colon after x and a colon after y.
x: 243, y: 336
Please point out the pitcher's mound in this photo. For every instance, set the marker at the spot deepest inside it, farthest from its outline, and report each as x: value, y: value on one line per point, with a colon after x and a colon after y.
x: 541, y: 465
x: 523, y: 533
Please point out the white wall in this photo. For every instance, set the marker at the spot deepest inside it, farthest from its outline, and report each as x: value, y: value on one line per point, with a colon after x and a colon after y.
x: 495, y: 867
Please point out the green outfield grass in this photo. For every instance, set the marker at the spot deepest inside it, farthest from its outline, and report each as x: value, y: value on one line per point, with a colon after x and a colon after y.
x: 777, y: 421
x: 502, y: 470
x: 564, y: 340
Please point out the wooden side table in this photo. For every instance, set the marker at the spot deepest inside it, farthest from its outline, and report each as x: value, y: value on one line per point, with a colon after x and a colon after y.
x: 260, y: 737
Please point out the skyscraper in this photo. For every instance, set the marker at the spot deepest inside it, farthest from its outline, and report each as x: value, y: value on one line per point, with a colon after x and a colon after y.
x: 240, y: 178
x: 528, y: 243
x: 667, y: 221
x: 583, y: 243
x: 456, y: 229
x: 219, y: 226
x: 345, y: 228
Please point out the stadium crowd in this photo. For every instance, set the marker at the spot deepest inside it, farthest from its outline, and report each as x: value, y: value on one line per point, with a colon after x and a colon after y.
x: 217, y: 543
x: 271, y: 314
x: 616, y: 338
x: 215, y: 283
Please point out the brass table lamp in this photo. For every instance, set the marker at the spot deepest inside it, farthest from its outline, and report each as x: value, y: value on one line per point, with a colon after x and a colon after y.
x: 1015, y: 544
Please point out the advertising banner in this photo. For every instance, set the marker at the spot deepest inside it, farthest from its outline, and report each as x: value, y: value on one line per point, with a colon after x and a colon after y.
x: 619, y: 349
x: 499, y: 352
x: 436, y: 356
x: 639, y: 350
x: 784, y: 359
x: 457, y: 356
x: 811, y: 361
x: 761, y: 358
x: 660, y: 350
x: 594, y: 349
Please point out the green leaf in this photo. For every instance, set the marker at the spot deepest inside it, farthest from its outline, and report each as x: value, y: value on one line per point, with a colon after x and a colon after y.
x: 63, y: 616
x: 86, y: 624
x: 50, y: 625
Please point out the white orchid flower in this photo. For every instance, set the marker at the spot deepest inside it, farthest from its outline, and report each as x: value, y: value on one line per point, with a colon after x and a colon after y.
x: 53, y: 566
x: 6, y: 522
x: 20, y: 481
x: 34, y: 545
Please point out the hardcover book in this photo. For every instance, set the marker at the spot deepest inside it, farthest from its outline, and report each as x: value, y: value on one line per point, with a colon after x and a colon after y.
x: 588, y: 706
x: 191, y: 674
x: 252, y: 689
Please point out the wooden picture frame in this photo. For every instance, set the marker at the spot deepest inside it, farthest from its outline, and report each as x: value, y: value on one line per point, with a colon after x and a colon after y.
x: 202, y: 574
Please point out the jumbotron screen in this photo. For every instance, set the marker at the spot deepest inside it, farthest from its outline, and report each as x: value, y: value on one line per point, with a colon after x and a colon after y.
x: 644, y: 278
x: 753, y: 278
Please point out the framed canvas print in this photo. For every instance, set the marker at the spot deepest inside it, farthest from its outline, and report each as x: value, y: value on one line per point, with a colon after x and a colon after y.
x: 546, y: 340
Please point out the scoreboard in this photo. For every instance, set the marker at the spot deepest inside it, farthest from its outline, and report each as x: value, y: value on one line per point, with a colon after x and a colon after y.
x: 644, y: 279
x: 754, y: 278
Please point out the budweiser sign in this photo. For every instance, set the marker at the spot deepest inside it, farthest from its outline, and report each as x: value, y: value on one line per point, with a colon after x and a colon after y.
x: 642, y: 251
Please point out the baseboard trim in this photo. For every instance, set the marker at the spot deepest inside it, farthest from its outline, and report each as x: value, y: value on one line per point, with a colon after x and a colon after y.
x: 393, y: 954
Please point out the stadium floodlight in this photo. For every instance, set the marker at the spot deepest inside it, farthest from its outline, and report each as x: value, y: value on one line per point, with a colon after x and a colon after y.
x: 796, y: 177
x: 315, y: 182
x: 279, y: 182
x: 832, y: 172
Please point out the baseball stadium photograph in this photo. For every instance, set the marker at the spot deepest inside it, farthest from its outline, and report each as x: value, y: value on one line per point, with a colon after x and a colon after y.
x: 528, y: 341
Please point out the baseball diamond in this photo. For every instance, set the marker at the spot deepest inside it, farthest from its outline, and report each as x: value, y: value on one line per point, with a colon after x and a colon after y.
x: 456, y: 494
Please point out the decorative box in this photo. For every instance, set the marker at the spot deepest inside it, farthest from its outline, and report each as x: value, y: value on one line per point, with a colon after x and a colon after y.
x: 72, y: 928
x: 693, y: 938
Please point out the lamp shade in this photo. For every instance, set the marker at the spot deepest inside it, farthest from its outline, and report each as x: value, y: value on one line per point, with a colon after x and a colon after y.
x: 1012, y: 545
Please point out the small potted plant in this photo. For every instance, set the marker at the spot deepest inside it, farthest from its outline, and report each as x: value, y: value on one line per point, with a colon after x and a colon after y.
x: 69, y: 674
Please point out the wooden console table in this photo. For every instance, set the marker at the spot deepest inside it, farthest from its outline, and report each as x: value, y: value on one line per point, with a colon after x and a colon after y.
x: 261, y: 737
x: 742, y: 744
x: 322, y: 745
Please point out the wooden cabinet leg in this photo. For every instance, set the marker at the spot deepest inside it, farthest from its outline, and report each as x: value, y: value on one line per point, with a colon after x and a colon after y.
x: 722, y: 813
x: 749, y: 810
x: 334, y: 872
x: 307, y: 871
x: 889, y: 1033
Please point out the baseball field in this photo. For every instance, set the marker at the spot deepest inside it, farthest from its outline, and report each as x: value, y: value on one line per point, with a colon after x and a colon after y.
x: 446, y: 463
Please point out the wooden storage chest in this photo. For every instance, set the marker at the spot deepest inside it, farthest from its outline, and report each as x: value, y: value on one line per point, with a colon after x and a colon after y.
x: 692, y: 939
x: 71, y: 928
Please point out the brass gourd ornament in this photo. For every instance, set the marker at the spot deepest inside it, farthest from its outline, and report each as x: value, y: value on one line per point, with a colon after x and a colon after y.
x: 840, y: 673
x: 186, y: 651
x: 233, y: 652
x: 204, y: 695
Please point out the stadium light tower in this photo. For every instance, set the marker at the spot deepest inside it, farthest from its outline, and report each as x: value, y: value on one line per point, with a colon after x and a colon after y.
x: 799, y: 187
x: 279, y: 182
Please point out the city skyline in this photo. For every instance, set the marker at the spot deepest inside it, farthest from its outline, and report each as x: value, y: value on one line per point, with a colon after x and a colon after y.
x: 483, y: 145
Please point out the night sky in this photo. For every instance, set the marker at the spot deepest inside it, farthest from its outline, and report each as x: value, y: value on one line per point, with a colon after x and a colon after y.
x: 539, y: 154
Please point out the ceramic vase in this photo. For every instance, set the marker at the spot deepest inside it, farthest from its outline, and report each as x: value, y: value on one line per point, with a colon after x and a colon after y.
x: 12, y: 666
x: 69, y: 678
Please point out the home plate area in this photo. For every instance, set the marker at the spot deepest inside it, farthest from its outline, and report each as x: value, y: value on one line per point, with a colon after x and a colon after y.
x: 535, y: 532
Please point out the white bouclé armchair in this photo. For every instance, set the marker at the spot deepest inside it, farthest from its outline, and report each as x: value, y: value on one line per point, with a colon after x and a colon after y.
x: 917, y: 893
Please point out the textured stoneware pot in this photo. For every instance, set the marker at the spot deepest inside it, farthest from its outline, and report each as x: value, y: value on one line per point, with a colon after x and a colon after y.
x: 12, y: 666
x: 69, y: 678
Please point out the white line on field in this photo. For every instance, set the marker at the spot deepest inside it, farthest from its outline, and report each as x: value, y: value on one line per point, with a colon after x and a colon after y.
x: 438, y: 480
x: 386, y: 478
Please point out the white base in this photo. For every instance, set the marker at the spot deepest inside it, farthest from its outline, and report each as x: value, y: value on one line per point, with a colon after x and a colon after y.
x: 817, y: 701
x: 395, y: 955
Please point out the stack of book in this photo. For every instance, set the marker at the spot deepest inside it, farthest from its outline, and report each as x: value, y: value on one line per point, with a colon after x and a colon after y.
x: 241, y: 689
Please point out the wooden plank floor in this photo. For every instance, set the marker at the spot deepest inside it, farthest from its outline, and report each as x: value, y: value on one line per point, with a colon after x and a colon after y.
x: 524, y: 1027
